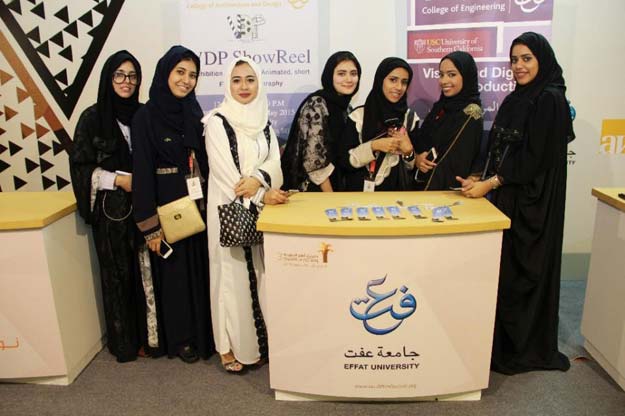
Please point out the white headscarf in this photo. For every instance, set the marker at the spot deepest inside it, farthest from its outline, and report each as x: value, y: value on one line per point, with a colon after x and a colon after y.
x: 248, y: 119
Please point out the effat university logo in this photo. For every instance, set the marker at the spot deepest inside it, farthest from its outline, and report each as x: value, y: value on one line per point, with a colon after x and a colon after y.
x: 325, y: 249
x: 382, y: 312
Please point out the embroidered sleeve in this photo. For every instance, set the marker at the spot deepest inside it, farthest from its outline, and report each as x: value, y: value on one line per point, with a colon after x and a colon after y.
x: 320, y: 175
x: 313, y: 126
x: 95, y: 185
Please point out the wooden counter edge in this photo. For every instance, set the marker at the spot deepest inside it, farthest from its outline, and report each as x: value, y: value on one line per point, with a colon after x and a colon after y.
x: 382, y: 231
x: 605, y: 195
x: 37, y: 223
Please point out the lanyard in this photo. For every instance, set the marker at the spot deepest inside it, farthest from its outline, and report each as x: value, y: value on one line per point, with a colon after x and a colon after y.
x: 191, y: 161
x: 372, y: 166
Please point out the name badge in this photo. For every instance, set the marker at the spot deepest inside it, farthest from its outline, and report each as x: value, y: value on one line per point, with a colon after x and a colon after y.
x: 415, y: 211
x: 332, y: 214
x: 363, y: 213
x: 448, y: 214
x: 395, y: 213
x: 195, y: 188
x: 347, y: 214
x: 369, y: 186
x: 379, y: 213
x: 442, y: 212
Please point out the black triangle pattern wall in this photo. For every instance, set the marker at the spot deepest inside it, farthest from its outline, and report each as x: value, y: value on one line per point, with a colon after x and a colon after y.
x: 57, y: 45
x: 27, y: 162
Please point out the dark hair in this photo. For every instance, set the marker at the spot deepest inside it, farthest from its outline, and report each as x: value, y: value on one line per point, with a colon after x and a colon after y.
x: 188, y: 56
x: 345, y: 56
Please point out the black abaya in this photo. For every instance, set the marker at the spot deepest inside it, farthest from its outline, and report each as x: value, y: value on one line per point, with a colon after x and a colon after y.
x: 454, y: 128
x: 528, y: 150
x: 164, y: 133
x: 100, y: 144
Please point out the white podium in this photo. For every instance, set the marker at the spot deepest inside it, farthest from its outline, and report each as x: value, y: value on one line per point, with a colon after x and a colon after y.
x: 51, y: 321
x: 380, y: 309
x: 603, y: 321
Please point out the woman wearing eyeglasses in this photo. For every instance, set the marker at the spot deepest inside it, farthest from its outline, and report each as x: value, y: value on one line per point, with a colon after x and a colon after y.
x: 101, y: 166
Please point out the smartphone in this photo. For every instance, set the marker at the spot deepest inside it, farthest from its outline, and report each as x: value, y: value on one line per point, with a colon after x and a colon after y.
x: 393, y: 123
x: 432, y: 155
x: 165, y: 250
x: 122, y: 173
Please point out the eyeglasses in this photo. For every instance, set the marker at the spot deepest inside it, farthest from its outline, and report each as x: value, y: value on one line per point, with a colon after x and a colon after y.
x: 120, y: 78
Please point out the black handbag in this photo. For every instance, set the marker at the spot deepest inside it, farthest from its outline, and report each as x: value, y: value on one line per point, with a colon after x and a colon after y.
x: 237, y: 224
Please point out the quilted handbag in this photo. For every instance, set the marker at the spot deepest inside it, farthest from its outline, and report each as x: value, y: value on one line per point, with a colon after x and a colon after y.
x: 237, y: 226
x: 180, y: 219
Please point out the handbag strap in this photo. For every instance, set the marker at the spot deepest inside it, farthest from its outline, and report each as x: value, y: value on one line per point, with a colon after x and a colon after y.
x: 471, y: 113
x: 232, y: 139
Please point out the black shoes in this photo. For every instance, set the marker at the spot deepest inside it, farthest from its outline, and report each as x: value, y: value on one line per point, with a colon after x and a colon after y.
x: 188, y: 354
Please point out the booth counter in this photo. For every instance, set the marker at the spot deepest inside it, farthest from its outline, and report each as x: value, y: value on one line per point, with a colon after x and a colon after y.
x: 51, y: 322
x: 603, y: 320
x: 400, y: 308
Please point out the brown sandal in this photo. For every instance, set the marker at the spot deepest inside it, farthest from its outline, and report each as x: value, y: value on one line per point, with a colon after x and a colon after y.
x: 232, y: 365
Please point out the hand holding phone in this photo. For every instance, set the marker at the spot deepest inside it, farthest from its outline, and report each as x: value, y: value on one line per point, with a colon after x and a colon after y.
x: 432, y: 155
x: 165, y: 250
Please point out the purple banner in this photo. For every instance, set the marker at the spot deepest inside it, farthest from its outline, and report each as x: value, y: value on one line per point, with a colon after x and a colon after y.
x: 432, y: 12
x: 485, y: 29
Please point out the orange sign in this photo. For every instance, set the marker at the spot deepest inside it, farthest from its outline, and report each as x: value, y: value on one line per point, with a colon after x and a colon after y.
x: 612, y: 137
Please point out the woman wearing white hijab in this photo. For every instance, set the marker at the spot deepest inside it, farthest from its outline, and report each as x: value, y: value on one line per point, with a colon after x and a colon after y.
x: 244, y: 161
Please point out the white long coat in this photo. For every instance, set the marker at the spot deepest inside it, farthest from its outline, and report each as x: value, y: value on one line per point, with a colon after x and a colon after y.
x: 231, y: 302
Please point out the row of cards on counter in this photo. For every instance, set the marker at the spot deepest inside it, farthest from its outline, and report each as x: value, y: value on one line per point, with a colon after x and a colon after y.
x: 439, y: 213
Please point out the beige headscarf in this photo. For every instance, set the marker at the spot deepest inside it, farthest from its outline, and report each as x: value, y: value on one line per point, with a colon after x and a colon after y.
x: 248, y: 119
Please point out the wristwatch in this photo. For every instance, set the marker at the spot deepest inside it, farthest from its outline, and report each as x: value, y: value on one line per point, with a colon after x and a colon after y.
x: 410, y: 157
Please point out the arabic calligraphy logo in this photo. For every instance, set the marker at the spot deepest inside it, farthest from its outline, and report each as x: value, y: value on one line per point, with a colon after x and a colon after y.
x: 245, y: 27
x: 528, y: 6
x: 380, y: 317
x: 325, y: 249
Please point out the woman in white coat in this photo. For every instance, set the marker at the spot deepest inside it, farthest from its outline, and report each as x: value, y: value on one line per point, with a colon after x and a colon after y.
x: 244, y: 161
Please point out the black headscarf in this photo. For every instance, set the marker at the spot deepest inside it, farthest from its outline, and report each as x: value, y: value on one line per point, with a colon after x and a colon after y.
x: 110, y: 106
x: 516, y: 106
x: 468, y: 94
x: 377, y: 108
x: 338, y: 104
x: 181, y: 114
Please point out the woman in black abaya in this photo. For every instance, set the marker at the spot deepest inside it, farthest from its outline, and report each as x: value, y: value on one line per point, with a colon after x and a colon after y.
x: 169, y: 147
x: 376, y: 151
x: 453, y: 127
x: 102, y: 148
x: 526, y: 168
x: 309, y: 158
